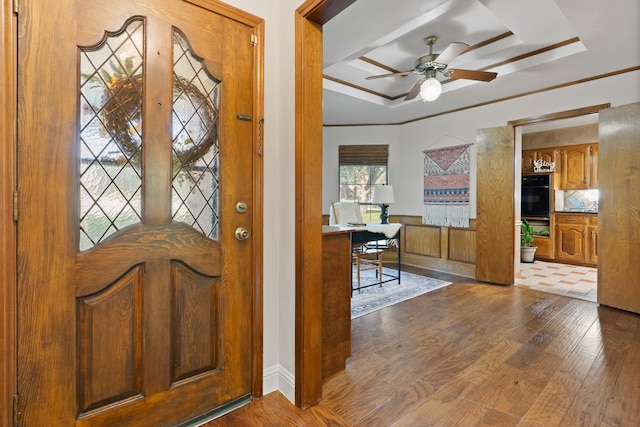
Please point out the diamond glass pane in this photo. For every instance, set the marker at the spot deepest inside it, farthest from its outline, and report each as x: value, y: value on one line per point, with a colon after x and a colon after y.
x: 196, y: 95
x: 111, y: 134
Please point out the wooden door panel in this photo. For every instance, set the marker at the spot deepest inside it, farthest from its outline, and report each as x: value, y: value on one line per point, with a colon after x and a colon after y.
x: 96, y: 268
x: 495, y: 222
x: 575, y: 167
x: 593, y: 175
x: 528, y: 157
x: 110, y: 342
x: 195, y: 329
x: 592, y: 251
x: 618, y: 207
x: 570, y: 243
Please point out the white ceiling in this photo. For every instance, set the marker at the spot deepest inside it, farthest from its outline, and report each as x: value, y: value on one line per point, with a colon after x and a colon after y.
x: 531, y: 44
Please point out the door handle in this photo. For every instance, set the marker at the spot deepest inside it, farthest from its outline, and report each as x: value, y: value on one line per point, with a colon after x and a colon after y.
x: 242, y: 233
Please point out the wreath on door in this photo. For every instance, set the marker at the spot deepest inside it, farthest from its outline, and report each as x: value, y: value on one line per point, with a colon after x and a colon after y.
x: 122, y: 108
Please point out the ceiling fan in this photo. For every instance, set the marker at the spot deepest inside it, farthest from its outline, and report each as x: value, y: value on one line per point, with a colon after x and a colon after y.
x: 429, y: 65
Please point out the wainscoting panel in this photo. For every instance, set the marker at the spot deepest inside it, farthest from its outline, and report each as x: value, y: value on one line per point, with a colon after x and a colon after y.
x: 462, y: 245
x: 422, y: 240
x: 450, y: 250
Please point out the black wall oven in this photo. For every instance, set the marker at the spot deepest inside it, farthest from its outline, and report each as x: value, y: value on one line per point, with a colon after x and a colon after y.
x: 536, y: 196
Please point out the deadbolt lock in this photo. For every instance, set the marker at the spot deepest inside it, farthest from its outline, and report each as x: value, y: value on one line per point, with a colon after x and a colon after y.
x: 242, y: 233
x: 241, y: 207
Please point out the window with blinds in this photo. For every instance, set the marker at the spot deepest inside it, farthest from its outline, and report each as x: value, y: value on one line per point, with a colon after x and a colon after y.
x: 361, y: 167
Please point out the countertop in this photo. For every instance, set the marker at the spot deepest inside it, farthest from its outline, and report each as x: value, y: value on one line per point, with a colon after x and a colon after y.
x: 573, y: 211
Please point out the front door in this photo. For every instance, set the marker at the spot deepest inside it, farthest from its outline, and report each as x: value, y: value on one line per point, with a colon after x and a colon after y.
x: 135, y: 292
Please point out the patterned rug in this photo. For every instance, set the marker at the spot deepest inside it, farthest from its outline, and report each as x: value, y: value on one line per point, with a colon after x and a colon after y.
x: 376, y: 297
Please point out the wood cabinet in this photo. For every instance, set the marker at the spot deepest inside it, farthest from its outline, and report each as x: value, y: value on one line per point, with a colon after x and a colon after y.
x: 548, y: 154
x: 580, y: 167
x: 576, y: 238
x: 594, y: 166
x: 577, y: 165
x: 592, y: 240
x: 528, y: 157
x: 543, y: 244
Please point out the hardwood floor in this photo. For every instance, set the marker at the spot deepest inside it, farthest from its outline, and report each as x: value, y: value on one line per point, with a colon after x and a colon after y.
x: 473, y: 354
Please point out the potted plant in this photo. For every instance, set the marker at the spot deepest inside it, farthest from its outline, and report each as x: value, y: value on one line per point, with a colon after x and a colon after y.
x: 527, y: 248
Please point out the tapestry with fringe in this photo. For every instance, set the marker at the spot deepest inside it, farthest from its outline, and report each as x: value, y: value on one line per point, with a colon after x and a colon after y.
x: 446, y: 186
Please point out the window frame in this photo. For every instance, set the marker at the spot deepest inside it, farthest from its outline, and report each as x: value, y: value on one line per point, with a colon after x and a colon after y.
x: 370, y: 157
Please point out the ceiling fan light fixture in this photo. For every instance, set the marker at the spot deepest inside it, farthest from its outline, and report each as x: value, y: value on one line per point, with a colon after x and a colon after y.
x: 430, y: 89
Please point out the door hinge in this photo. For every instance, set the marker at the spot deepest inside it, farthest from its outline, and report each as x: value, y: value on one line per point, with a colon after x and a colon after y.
x: 16, y: 6
x: 254, y: 40
x: 16, y: 411
x: 15, y: 206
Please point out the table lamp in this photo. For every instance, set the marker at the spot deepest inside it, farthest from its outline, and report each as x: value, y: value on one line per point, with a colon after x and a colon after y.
x: 383, y: 196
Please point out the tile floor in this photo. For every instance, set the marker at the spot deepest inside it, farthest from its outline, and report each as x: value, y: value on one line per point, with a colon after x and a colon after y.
x: 570, y: 280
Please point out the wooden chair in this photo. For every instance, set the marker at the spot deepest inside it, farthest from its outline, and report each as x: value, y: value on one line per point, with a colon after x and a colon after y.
x: 367, y: 258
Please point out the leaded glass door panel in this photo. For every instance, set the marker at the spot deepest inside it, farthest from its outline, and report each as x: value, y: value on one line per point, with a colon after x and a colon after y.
x: 135, y: 297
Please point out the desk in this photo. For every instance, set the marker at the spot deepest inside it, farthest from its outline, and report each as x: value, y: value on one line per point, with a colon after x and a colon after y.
x: 361, y: 236
x: 337, y: 275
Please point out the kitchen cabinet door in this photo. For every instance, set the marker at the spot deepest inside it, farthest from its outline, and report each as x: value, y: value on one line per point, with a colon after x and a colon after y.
x: 528, y: 156
x: 543, y: 244
x: 592, y: 251
x: 570, y: 242
x: 579, y: 167
x: 576, y: 167
x: 550, y: 154
x: 594, y: 166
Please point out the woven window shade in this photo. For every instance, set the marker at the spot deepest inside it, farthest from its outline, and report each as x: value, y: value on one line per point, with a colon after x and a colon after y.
x: 363, y: 154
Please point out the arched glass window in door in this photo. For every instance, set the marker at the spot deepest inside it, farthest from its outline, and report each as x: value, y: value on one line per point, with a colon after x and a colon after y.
x: 110, y: 139
x: 195, y: 184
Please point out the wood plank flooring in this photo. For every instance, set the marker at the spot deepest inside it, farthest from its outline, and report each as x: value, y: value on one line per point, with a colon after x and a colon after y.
x: 473, y: 354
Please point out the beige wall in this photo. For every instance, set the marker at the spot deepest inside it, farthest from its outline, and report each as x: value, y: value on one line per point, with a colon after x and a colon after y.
x: 559, y: 137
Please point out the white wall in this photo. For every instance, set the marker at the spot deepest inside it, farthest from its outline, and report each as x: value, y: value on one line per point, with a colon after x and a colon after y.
x: 405, y: 164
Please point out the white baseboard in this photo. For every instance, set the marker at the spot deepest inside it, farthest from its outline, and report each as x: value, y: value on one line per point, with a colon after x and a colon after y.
x: 277, y: 378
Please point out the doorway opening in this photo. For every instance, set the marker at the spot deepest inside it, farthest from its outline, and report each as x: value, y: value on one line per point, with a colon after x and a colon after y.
x: 564, y: 214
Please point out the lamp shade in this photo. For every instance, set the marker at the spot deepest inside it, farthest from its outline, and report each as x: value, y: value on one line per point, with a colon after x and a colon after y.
x: 383, y: 194
x: 430, y: 89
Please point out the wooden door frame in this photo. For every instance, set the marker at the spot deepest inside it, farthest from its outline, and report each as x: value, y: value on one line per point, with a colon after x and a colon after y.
x: 8, y: 147
x: 567, y: 114
x: 8, y: 81
x: 559, y: 115
x: 309, y: 18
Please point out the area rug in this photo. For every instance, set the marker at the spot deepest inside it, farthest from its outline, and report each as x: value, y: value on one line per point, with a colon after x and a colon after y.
x: 375, y: 297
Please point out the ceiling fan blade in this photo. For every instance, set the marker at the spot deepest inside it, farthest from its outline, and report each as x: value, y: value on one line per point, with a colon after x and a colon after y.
x: 402, y: 74
x: 451, y: 52
x: 483, y: 76
x: 415, y: 90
